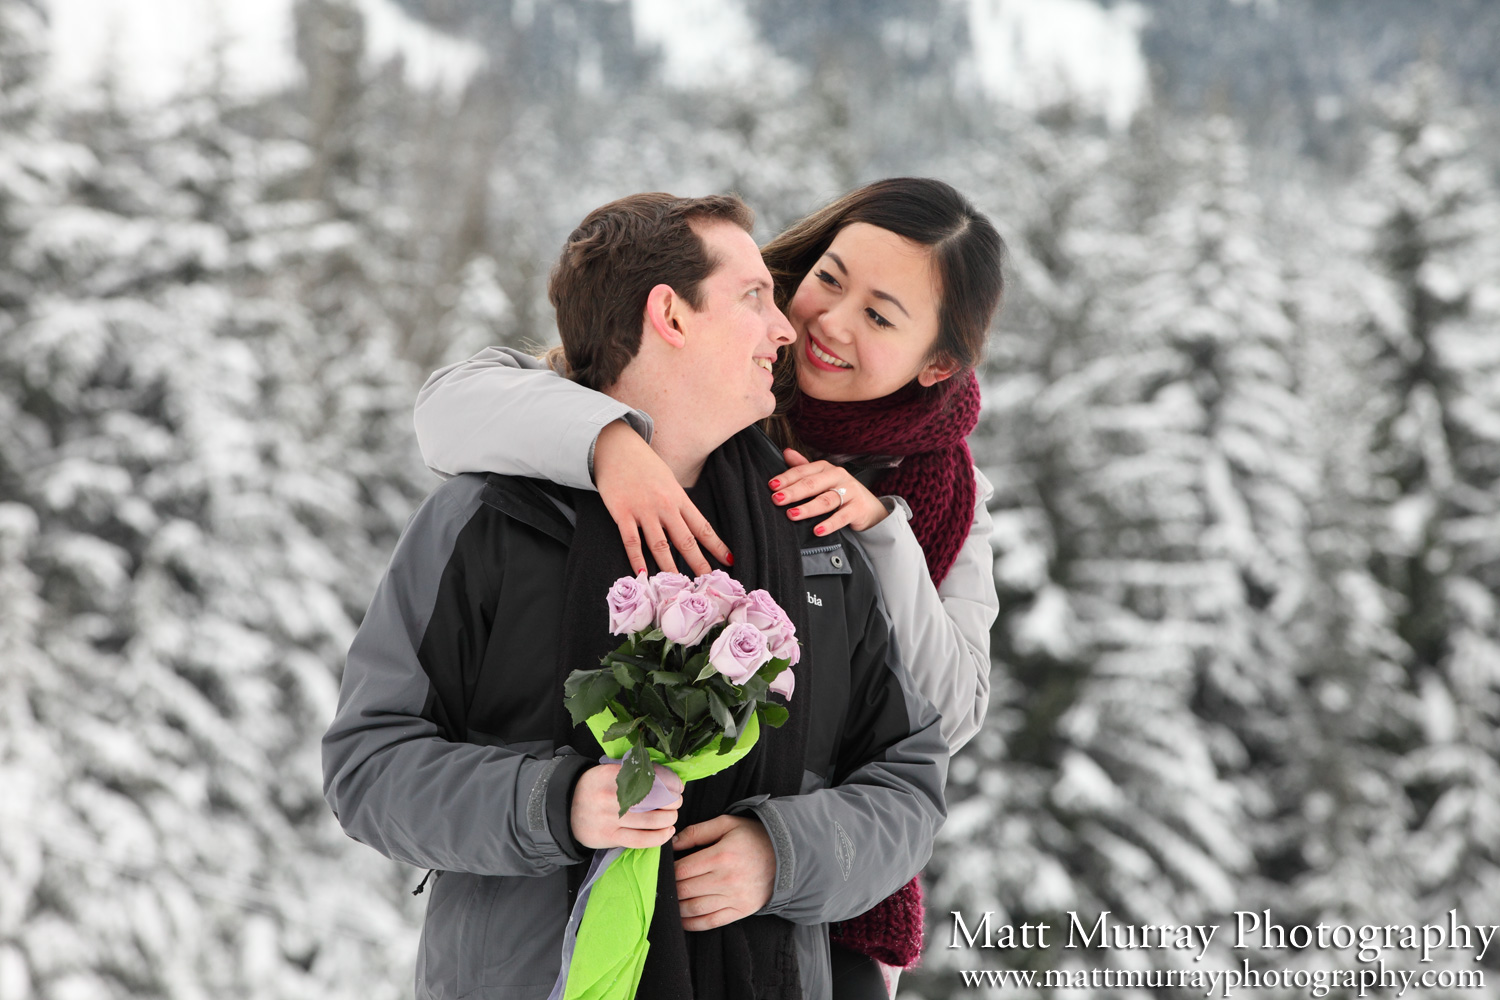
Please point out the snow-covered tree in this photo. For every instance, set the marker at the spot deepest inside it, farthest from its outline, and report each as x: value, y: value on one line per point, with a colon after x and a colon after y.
x: 1148, y: 445
x: 1433, y: 363
x: 1217, y: 297
x: 202, y: 467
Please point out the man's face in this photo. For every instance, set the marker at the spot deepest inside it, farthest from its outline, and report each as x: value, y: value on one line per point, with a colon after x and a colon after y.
x: 731, y: 343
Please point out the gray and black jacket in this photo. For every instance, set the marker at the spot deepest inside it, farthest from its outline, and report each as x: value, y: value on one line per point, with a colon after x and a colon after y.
x: 441, y: 756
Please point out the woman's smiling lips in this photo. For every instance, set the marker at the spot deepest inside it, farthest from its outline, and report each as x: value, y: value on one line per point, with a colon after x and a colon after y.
x: 824, y: 359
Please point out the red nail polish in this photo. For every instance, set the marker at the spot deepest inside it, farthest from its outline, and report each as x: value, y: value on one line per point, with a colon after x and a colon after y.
x: 818, y: 530
x: 729, y: 559
x: 794, y: 512
x: 775, y: 483
x: 778, y: 497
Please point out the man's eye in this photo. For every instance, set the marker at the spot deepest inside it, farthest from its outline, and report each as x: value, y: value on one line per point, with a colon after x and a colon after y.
x: 754, y: 293
x: 880, y: 320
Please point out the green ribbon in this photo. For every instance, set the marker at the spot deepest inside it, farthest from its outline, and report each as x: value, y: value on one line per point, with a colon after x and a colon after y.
x: 611, y: 947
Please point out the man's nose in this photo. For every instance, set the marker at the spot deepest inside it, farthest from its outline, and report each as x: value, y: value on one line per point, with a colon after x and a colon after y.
x: 781, y: 329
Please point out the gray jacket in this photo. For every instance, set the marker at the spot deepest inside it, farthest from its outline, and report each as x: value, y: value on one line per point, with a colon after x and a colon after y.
x: 470, y: 417
x: 439, y: 754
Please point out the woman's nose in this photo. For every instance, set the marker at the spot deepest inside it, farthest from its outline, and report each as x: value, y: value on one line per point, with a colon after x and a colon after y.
x: 837, y: 324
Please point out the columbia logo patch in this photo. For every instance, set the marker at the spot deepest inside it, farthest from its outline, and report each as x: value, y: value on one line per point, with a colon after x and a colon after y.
x: 814, y: 599
x: 843, y: 849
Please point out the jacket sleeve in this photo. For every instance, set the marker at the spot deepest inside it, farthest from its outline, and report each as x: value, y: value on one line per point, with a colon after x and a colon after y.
x: 944, y: 632
x: 507, y: 412
x: 844, y: 848
x: 392, y: 779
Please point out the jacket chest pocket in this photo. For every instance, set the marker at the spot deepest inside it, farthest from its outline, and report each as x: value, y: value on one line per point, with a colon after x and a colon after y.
x: 828, y: 650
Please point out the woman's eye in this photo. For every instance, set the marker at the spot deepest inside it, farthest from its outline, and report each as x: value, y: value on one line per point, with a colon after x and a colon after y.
x: 828, y: 279
x: 880, y: 320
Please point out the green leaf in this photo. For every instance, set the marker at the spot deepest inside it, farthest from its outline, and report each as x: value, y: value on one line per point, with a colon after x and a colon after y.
x: 622, y: 674
x: 677, y: 743
x: 669, y: 677
x: 655, y: 635
x: 725, y: 690
x: 619, y: 729
x: 636, y: 775
x: 709, y: 670
x: 700, y: 736
x: 666, y: 650
x: 695, y: 662
x: 721, y: 713
x: 634, y: 661
x: 728, y: 743
x: 742, y: 717
x: 755, y: 688
x: 771, y: 668
x: 587, y: 692
x: 656, y: 706
x: 773, y: 715
x: 694, y: 704
x: 663, y: 738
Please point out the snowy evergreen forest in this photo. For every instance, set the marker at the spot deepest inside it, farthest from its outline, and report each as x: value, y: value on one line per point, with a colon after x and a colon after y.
x: 1242, y: 409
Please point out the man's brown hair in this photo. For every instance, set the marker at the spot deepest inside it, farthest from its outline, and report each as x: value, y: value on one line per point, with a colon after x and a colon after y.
x: 609, y: 265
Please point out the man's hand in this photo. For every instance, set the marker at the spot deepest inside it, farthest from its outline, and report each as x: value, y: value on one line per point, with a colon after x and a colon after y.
x: 730, y: 878
x: 644, y: 498
x: 596, y: 818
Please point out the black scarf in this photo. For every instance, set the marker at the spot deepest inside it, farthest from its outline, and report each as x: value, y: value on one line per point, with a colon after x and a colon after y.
x: 753, y: 958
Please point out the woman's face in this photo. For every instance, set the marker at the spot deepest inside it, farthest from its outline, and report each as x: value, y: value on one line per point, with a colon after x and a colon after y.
x: 866, y: 317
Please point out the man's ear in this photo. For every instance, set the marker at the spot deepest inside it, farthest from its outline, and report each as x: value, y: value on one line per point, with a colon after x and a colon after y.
x: 664, y: 309
x: 937, y: 370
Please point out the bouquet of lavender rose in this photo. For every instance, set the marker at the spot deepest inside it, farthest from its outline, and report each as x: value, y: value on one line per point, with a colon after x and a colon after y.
x: 687, y: 689
x: 699, y: 659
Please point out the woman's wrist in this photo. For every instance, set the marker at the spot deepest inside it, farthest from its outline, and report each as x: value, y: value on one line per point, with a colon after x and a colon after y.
x: 872, y: 514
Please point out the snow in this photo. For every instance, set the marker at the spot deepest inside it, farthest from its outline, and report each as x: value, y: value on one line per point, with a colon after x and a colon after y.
x: 708, y: 42
x: 1036, y: 53
x: 155, y: 48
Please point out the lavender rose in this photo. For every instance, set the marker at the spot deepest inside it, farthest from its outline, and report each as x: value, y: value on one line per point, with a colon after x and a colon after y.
x: 760, y: 609
x: 631, y: 607
x: 784, y: 646
x: 665, y: 586
x: 739, y: 652
x: 723, y: 588
x: 686, y: 618
x: 784, y: 684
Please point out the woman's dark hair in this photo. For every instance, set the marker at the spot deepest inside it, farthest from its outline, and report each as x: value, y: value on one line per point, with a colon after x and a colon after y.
x: 967, y: 253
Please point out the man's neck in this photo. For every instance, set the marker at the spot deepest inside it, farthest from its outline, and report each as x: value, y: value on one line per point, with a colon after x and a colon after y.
x: 676, y: 436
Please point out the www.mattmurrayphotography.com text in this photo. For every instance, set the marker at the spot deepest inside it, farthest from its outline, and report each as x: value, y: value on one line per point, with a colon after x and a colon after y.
x: 1367, y: 944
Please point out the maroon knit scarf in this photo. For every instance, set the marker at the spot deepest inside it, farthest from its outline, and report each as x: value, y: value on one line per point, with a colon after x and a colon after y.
x: 927, y: 428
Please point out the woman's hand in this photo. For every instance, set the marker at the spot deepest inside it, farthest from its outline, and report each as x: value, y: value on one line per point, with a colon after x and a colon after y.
x: 644, y: 498
x: 814, y: 486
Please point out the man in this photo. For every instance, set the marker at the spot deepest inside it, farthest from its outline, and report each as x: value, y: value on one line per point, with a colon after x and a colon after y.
x: 451, y: 750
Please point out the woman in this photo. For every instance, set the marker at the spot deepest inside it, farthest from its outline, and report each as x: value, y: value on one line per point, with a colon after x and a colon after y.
x: 891, y: 290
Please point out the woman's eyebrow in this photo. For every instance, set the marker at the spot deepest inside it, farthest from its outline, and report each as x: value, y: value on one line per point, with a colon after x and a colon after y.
x: 892, y: 300
x: 887, y: 296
